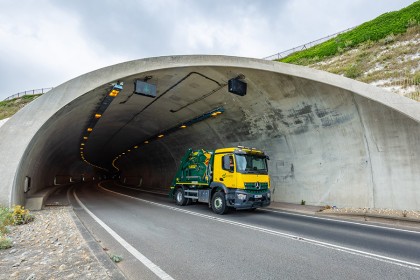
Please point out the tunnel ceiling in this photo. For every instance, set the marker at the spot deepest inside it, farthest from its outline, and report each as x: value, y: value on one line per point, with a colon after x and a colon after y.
x: 132, y: 119
x: 182, y: 94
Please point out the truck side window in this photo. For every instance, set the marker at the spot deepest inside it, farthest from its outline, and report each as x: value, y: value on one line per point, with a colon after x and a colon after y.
x: 227, y: 162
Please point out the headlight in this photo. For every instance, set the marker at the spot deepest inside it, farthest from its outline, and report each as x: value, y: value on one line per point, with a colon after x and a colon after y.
x: 269, y: 194
x: 241, y: 196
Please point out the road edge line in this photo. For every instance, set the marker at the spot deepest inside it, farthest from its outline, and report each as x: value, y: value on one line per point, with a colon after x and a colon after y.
x: 139, y: 256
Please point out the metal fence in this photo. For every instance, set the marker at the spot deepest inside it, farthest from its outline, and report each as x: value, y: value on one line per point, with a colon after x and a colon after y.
x: 28, y: 92
x: 304, y: 46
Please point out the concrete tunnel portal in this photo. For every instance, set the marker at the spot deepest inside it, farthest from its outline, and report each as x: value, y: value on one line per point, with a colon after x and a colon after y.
x: 331, y: 140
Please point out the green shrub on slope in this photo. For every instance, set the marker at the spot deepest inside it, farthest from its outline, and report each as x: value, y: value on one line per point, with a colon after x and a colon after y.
x: 388, y: 24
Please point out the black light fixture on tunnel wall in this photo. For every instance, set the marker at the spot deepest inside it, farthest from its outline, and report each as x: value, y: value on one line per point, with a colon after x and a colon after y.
x: 144, y: 88
x: 236, y: 86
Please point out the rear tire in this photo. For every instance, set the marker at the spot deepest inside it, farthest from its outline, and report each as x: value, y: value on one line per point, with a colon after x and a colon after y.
x: 180, y: 198
x: 218, y: 203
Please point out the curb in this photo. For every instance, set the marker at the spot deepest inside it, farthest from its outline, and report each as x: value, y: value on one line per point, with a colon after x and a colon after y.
x: 111, y: 269
x: 404, y: 219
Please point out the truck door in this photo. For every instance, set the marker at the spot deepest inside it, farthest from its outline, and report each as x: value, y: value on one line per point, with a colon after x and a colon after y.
x: 227, y: 171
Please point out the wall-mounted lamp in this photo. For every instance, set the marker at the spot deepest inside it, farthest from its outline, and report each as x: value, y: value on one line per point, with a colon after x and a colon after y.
x: 236, y: 86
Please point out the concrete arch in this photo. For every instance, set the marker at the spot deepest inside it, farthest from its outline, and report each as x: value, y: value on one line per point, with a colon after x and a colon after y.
x: 331, y: 140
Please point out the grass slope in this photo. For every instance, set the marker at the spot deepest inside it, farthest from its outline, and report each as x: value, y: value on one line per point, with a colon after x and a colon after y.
x: 388, y: 24
x: 10, y: 107
x: 384, y: 52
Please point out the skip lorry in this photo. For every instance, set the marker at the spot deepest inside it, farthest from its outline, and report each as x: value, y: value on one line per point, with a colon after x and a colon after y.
x: 224, y: 178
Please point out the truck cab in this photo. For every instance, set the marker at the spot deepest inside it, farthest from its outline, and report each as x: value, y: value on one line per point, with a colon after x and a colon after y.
x: 224, y: 178
x: 244, y: 173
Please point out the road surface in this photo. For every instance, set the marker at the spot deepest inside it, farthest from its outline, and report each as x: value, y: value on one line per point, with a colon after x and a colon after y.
x: 160, y: 240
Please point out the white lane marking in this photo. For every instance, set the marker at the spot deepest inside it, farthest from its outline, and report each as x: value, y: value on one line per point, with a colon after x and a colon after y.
x: 338, y: 221
x: 148, y: 263
x: 302, y: 215
x: 281, y: 234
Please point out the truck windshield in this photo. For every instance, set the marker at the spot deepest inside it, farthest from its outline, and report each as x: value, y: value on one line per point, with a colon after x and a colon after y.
x: 251, y: 164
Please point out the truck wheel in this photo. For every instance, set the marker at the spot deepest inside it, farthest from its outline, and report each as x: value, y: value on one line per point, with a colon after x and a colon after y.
x: 218, y: 203
x: 180, y: 198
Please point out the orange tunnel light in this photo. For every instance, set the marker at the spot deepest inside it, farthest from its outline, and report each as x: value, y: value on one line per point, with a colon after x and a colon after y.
x: 114, y: 93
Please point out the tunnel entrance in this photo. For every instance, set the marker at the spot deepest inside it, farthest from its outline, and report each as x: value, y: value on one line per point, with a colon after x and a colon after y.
x: 330, y: 141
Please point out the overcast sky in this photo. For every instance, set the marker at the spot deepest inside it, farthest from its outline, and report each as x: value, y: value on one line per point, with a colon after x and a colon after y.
x: 44, y: 43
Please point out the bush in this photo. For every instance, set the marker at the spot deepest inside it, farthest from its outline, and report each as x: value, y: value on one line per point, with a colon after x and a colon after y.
x: 353, y: 71
x: 416, y: 79
x: 389, y: 38
x: 6, y: 219
x: 412, y: 22
x: 116, y: 258
x: 5, y: 243
x: 21, y: 215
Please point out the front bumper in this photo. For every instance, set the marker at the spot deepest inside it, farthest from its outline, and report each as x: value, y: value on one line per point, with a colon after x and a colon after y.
x: 241, y: 199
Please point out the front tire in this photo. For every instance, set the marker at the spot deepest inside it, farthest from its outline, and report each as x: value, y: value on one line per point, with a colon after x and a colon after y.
x: 180, y: 198
x: 218, y: 203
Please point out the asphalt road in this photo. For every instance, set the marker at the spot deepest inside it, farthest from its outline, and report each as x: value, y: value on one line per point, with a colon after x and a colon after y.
x: 192, y: 242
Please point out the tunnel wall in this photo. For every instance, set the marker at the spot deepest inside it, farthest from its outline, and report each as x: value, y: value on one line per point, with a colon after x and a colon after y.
x: 331, y: 140
x: 328, y: 145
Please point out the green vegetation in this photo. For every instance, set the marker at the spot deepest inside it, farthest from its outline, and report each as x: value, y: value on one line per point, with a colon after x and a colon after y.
x: 21, y: 215
x: 10, y: 107
x: 384, y: 27
x: 353, y: 71
x: 8, y: 217
x: 5, y: 243
x: 116, y: 258
x: 416, y: 79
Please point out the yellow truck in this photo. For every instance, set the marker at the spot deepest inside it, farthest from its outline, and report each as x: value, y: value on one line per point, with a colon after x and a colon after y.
x: 224, y: 178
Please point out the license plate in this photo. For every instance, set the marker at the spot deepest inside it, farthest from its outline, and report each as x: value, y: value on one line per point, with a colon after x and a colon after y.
x: 258, y: 196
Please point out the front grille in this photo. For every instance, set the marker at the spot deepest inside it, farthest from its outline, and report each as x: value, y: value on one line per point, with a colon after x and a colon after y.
x: 252, y: 188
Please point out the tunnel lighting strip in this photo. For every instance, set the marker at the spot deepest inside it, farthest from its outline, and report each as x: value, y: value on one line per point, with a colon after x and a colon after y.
x: 182, y: 125
x: 106, y: 101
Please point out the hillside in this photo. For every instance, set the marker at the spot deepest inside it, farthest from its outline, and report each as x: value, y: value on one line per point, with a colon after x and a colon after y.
x: 384, y: 52
x: 393, y: 64
x: 10, y: 107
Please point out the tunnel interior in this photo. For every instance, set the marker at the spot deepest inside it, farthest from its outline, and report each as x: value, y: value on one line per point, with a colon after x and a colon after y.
x: 327, y: 145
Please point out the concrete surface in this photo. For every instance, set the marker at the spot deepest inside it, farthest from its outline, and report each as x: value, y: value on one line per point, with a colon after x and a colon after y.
x: 331, y: 140
x: 3, y: 121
